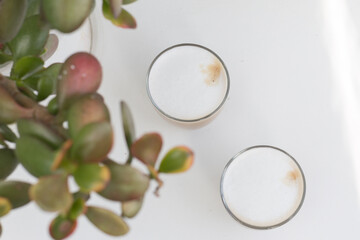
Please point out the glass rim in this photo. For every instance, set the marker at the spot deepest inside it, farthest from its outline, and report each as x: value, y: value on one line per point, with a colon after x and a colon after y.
x: 251, y: 225
x: 196, y: 119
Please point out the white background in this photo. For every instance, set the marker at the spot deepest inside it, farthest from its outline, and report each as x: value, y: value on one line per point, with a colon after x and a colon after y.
x: 295, y: 84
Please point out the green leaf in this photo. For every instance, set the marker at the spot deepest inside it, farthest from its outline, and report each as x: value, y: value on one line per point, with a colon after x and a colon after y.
x: 131, y: 208
x: 53, y: 106
x: 93, y: 143
x: 50, y: 47
x: 67, y: 15
x: 48, y: 81
x: 8, y: 162
x: 125, y: 20
x: 37, y: 157
x: 128, y: 125
x: 10, y: 110
x: 178, y: 159
x: 107, y: 221
x: 61, y: 227
x: 51, y: 193
x: 4, y: 58
x: 77, y: 209
x: 31, y: 38
x: 16, y: 192
x: 147, y: 148
x: 126, y: 183
x: 12, y: 14
x: 33, y: 7
x: 26, y: 66
x: 81, y: 74
x: 92, y: 177
x: 128, y: 1
x: 33, y: 128
x: 7, y: 133
x: 81, y: 195
x: 5, y: 206
x: 85, y: 110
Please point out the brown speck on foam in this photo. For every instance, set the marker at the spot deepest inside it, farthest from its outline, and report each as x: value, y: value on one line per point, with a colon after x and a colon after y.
x: 212, y: 72
x: 291, y: 177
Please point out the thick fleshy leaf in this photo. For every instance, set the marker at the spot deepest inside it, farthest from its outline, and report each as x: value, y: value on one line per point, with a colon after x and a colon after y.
x: 10, y: 110
x: 82, y: 195
x: 107, y: 221
x: 8, y: 162
x: 88, y: 109
x: 33, y: 7
x: 126, y: 183
x: 81, y: 74
x: 93, y: 143
x: 124, y: 20
x: 5, y: 58
x: 47, y: 81
x: 53, y: 106
x: 51, y: 193
x: 67, y: 15
x: 128, y: 124
x: 92, y: 177
x: 50, y: 46
x: 5, y: 206
x: 178, y: 159
x: 33, y: 128
x: 37, y: 157
x: 12, y: 15
x: 128, y: 1
x: 8, y: 134
x: 131, y: 208
x: 77, y: 209
x: 147, y: 148
x: 26, y: 66
x: 115, y: 7
x: 61, y: 227
x: 31, y: 38
x: 16, y: 192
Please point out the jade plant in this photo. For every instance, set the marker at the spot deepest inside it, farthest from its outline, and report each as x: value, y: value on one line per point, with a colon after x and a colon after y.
x: 57, y: 126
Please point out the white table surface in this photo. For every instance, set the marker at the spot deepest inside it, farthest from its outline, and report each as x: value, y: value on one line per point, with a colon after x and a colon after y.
x: 295, y: 84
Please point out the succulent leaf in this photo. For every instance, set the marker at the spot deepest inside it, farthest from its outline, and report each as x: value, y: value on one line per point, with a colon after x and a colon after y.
x: 128, y: 124
x: 16, y: 192
x: 66, y: 15
x: 53, y: 106
x: 12, y: 15
x: 107, y: 221
x: 47, y: 81
x: 61, y: 227
x: 8, y: 134
x: 147, y: 148
x: 131, y: 208
x: 81, y: 74
x: 87, y: 109
x: 31, y: 38
x: 126, y: 183
x: 10, y: 110
x: 33, y: 7
x: 4, y: 58
x: 36, y: 156
x: 124, y: 20
x: 26, y: 66
x: 50, y: 46
x: 128, y: 1
x: 8, y: 163
x: 116, y: 7
x: 93, y: 143
x: 178, y: 159
x: 51, y: 193
x: 92, y: 177
x: 77, y: 209
x: 5, y: 206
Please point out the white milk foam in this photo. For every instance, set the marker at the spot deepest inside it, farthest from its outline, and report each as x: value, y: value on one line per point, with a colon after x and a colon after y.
x: 187, y: 82
x: 263, y: 187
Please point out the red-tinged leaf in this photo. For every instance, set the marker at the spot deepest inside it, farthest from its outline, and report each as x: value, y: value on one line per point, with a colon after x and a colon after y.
x: 107, y: 221
x: 125, y: 19
x: 81, y: 74
x: 51, y: 193
x: 61, y: 227
x: 178, y: 159
x: 147, y: 148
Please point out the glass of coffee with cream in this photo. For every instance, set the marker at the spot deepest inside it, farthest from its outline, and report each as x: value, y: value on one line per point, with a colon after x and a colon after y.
x: 188, y: 83
x: 262, y: 187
